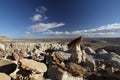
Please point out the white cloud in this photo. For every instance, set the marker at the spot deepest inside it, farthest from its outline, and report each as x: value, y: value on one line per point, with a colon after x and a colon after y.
x: 111, y: 30
x: 107, y: 28
x: 37, y: 17
x: 27, y: 33
x: 40, y: 14
x: 41, y: 9
x: 41, y: 27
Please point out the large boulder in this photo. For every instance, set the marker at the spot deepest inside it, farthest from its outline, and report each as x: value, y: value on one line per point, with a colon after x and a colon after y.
x: 32, y: 65
x: 111, y: 57
x: 58, y: 57
x: 90, y: 62
x: 75, y: 70
x: 115, y: 49
x: 72, y: 71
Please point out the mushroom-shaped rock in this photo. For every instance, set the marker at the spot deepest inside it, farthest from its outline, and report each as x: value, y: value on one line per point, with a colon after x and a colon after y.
x: 3, y: 76
x: 75, y: 41
x: 32, y: 65
x: 7, y: 66
x: 76, y: 52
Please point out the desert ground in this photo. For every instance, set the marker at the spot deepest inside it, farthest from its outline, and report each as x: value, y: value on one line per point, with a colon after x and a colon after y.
x: 54, y: 59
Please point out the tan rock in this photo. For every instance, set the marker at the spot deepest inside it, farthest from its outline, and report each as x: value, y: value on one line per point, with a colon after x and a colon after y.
x: 30, y: 64
x: 76, y: 70
x: 3, y: 76
x: 36, y: 77
x: 59, y: 56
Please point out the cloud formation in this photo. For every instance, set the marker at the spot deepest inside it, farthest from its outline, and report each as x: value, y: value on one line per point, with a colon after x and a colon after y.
x: 102, y: 31
x: 41, y: 9
x: 41, y: 27
x: 27, y: 33
x: 37, y: 17
x: 40, y: 14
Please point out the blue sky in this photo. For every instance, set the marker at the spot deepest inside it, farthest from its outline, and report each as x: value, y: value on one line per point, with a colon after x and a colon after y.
x: 59, y: 18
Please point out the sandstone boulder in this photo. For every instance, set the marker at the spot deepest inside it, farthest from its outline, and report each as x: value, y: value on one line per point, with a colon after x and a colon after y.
x: 32, y: 65
x: 76, y: 70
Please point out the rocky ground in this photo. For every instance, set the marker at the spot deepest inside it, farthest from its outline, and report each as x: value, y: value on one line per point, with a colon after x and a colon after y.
x: 50, y: 60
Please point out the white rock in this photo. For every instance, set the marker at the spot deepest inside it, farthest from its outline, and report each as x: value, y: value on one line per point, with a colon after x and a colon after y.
x: 89, y: 50
x: 102, y: 51
x: 2, y: 46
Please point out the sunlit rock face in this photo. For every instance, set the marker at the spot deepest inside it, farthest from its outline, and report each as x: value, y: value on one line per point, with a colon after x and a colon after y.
x: 115, y: 49
x: 2, y: 46
x: 101, y: 51
x: 35, y: 66
x: 89, y: 50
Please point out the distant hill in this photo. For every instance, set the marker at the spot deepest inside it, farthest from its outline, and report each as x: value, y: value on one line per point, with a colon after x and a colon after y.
x: 4, y: 38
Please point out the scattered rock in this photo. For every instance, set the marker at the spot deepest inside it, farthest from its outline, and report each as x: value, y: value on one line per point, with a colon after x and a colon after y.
x: 101, y: 51
x: 64, y: 75
x: 115, y: 49
x: 32, y: 65
x: 89, y: 50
